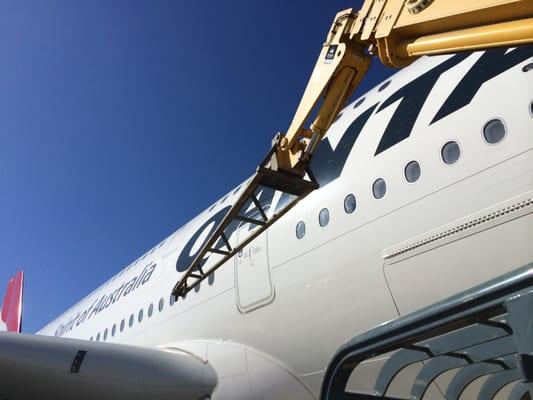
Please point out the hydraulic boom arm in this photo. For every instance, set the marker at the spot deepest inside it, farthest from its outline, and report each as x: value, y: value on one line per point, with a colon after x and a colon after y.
x: 397, y: 31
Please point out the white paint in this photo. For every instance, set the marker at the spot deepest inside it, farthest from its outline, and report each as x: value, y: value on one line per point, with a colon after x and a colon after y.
x: 3, y: 326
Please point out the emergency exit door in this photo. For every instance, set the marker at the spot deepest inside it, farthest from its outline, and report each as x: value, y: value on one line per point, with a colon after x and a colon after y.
x: 252, y: 273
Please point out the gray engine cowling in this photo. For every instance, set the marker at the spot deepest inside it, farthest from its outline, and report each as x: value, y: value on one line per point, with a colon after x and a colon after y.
x: 40, y: 367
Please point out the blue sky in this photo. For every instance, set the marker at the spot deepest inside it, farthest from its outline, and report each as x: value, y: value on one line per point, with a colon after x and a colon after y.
x: 121, y: 120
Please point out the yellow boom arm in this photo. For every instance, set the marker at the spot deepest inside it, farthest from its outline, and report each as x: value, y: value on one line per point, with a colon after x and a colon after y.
x: 397, y: 31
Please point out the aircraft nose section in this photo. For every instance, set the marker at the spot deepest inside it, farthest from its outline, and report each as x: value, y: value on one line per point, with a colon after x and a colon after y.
x: 179, y: 376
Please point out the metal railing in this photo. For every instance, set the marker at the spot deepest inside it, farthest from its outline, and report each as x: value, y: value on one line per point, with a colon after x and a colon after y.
x: 486, y: 330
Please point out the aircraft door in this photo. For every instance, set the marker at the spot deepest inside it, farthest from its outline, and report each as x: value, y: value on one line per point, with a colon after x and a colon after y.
x: 252, y: 273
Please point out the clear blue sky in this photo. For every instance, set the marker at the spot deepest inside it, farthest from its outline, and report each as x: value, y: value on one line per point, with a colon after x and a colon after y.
x: 120, y: 120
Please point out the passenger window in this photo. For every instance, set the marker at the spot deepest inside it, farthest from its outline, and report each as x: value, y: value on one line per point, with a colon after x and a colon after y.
x: 412, y: 171
x: 450, y: 153
x: 323, y: 217
x: 140, y: 316
x: 98, y: 337
x: 300, y: 230
x: 150, y: 310
x: 131, y: 320
x: 494, y: 131
x: 384, y: 86
x: 114, y: 330
x: 161, y: 304
x: 379, y: 188
x: 122, y: 325
x: 350, y: 204
x: 105, y: 334
x: 171, y: 300
x: 359, y: 102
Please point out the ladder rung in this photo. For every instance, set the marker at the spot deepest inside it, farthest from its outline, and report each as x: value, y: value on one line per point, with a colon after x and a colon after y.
x: 250, y: 220
x: 258, y: 206
x: 226, y: 241
x: 217, y: 251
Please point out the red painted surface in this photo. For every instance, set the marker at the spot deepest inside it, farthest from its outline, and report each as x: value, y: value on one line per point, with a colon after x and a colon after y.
x: 12, y: 305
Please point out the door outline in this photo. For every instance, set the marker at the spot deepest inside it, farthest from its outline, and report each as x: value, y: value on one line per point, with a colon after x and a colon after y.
x: 265, y: 300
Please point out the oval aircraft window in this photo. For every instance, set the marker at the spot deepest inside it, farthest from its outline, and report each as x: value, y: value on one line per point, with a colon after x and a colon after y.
x: 98, y: 337
x: 131, y: 320
x: 350, y: 204
x: 114, y: 330
x: 379, y: 188
x: 384, y: 86
x: 122, y: 325
x: 494, y: 131
x: 140, y: 316
x: 450, y: 153
x: 359, y: 102
x: 300, y: 230
x: 412, y: 171
x: 161, y: 304
x: 323, y: 217
x: 150, y: 310
x: 105, y: 334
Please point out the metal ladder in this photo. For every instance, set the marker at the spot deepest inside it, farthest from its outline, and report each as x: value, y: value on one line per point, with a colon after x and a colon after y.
x: 218, y: 245
x: 487, y: 330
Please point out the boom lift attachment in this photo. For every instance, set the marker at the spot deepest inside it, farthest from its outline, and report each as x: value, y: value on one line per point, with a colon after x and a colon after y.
x: 397, y: 31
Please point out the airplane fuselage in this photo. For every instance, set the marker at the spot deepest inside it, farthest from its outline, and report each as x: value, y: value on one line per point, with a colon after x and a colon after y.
x: 426, y: 190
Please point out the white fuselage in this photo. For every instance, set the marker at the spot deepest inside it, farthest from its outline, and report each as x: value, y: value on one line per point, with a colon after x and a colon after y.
x: 270, y: 320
